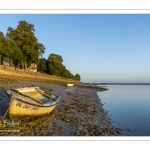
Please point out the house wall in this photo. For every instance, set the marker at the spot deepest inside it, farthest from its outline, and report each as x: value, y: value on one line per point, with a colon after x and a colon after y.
x: 33, y: 67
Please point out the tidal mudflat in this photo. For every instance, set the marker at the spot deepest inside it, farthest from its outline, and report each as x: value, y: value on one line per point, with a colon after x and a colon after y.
x: 78, y: 113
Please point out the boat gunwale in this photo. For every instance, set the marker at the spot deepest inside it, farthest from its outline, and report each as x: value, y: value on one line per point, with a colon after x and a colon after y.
x: 38, y: 104
x: 56, y: 101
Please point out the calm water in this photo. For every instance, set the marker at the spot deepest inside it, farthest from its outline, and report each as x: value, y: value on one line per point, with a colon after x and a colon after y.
x: 128, y: 107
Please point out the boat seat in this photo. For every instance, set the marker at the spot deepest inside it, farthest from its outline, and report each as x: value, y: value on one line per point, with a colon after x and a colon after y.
x: 50, y: 102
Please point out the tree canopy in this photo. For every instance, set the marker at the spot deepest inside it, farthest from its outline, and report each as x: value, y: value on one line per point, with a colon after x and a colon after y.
x: 55, y: 67
x: 42, y: 65
x: 2, y: 43
x: 25, y: 38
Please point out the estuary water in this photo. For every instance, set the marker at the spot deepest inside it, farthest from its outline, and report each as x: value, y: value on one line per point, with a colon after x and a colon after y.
x: 128, y: 107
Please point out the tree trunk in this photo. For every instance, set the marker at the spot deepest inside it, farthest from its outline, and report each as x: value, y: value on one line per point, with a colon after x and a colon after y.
x: 25, y: 65
x: 28, y: 68
x: 0, y: 59
x: 11, y: 62
x: 37, y: 68
x: 22, y: 65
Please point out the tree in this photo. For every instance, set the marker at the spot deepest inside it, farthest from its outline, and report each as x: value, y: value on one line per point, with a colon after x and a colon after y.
x: 42, y: 65
x: 39, y: 48
x: 13, y: 52
x: 10, y: 49
x: 2, y: 38
x: 25, y: 38
x: 0, y: 53
x: 77, y: 77
x: 55, y: 67
x: 2, y: 46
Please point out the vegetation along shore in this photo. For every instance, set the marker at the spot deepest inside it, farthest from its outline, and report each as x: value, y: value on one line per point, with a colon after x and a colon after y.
x: 78, y: 113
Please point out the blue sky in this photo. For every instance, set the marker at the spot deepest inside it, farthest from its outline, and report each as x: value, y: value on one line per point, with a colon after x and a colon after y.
x: 100, y: 47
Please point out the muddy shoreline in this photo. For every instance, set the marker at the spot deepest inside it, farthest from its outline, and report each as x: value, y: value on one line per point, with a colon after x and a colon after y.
x: 78, y: 113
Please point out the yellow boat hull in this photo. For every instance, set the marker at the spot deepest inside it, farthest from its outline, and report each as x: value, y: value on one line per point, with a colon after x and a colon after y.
x: 22, y: 109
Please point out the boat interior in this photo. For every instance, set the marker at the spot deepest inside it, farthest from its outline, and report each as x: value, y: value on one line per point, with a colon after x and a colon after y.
x: 33, y: 95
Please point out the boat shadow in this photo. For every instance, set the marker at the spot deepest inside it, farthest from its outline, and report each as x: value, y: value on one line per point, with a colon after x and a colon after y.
x: 4, y: 103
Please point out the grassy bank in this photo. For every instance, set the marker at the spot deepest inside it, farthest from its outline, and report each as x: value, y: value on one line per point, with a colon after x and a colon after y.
x: 9, y: 75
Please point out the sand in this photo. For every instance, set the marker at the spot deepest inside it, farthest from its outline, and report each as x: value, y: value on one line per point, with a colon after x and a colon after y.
x: 79, y: 112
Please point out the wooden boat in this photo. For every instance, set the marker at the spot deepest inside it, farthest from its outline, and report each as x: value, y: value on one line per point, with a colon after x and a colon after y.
x: 30, y: 101
x: 70, y: 85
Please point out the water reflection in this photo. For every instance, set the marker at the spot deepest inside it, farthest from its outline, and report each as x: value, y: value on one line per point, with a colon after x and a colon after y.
x: 129, y: 108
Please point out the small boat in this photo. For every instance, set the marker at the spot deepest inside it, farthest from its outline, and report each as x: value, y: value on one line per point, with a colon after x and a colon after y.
x: 70, y: 85
x: 94, y: 85
x: 30, y: 102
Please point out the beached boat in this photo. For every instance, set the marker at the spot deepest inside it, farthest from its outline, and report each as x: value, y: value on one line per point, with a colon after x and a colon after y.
x: 30, y: 101
x: 70, y: 85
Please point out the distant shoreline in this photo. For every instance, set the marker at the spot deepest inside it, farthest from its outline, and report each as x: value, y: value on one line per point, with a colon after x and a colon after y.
x: 121, y: 83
